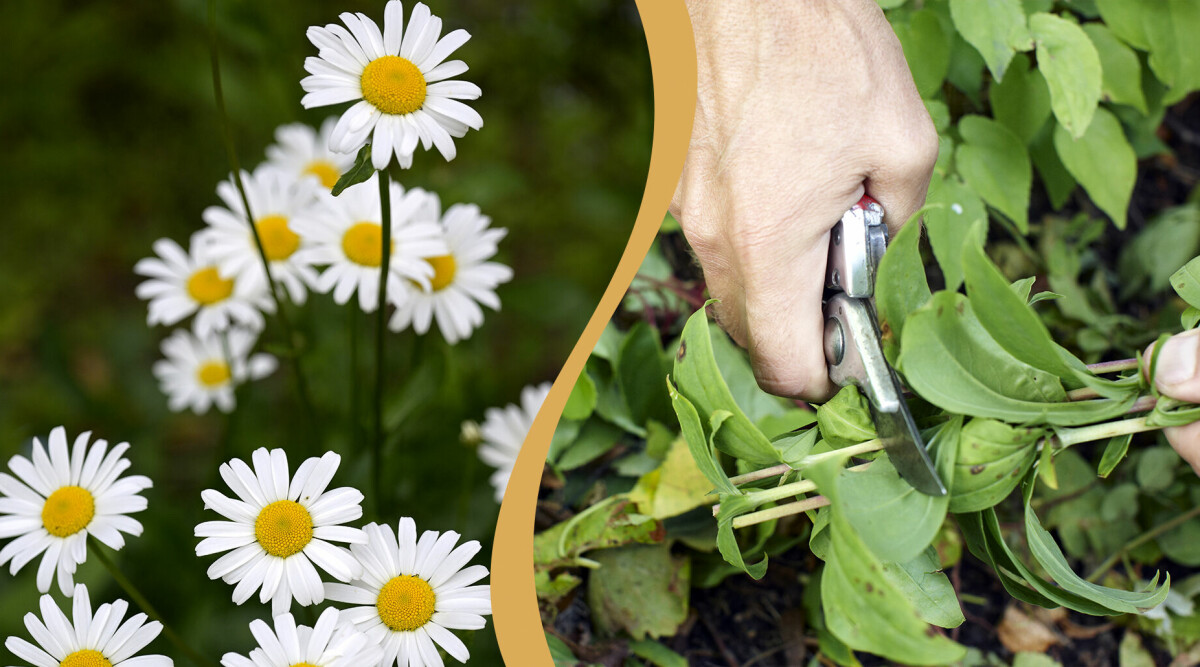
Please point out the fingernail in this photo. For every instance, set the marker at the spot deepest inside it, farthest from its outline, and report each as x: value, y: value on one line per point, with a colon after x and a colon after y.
x: 1177, y: 361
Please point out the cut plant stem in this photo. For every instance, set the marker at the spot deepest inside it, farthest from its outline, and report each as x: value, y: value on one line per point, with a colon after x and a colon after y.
x: 781, y: 492
x: 385, y: 210
x: 140, y: 600
x: 783, y: 468
x: 1067, y: 437
x: 780, y: 511
x: 231, y: 153
x: 1118, y: 366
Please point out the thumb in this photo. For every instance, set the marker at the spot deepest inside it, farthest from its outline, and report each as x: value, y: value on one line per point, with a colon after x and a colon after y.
x: 1178, y: 372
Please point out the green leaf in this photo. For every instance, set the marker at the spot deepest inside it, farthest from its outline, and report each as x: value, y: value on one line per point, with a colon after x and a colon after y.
x: 900, y: 286
x: 1122, y: 71
x: 1114, y: 452
x: 950, y: 361
x: 595, y: 439
x: 793, y: 447
x: 1153, y: 259
x: 1131, y: 653
x: 1171, y: 29
x: 1103, y: 162
x: 927, y: 50
x: 845, y: 419
x: 361, y: 172
x: 734, y: 365
x: 1156, y: 468
x: 641, y: 590
x: 894, y: 520
x: 640, y: 369
x: 733, y: 506
x: 1182, y: 544
x: 1190, y: 317
x: 1186, y: 282
x: 1047, y: 553
x: 1058, y: 182
x: 996, y: 28
x: 699, y: 445
x: 1071, y: 65
x: 607, y: 524
x: 994, y: 162
x: 1124, y: 18
x: 1021, y: 102
x: 890, y: 4
x: 863, y: 608
x: 992, y: 458
x: 922, y: 583
x: 966, y: 68
x: 698, y: 378
x: 957, y: 208
x: 560, y: 653
x: 657, y: 654
x: 582, y: 400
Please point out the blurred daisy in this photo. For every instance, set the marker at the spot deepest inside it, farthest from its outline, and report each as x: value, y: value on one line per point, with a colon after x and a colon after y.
x: 184, y: 283
x: 504, y: 430
x: 462, y: 279
x: 275, y: 198
x: 278, y: 527
x: 413, y: 593
x: 301, y: 152
x: 202, y: 370
x: 347, y: 236
x: 57, y: 500
x: 99, y: 640
x: 327, y: 644
x: 399, y: 81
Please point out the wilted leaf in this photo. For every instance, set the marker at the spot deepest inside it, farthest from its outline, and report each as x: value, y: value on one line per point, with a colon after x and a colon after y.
x: 1069, y: 61
x: 1103, y: 162
x: 1023, y: 634
x: 674, y: 487
x: 610, y: 523
x: 640, y: 590
x: 995, y: 163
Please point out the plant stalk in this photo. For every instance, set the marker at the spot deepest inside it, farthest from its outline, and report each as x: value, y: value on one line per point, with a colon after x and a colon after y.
x: 783, y: 468
x: 783, y: 491
x: 355, y: 391
x: 1145, y: 537
x: 780, y: 511
x: 385, y: 208
x: 272, y: 286
x: 140, y: 600
x: 1068, y: 437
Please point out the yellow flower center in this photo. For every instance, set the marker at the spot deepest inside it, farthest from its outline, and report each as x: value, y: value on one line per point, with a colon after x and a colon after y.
x: 324, y: 170
x: 213, y: 374
x: 67, y: 511
x: 406, y: 603
x: 283, y: 528
x: 85, y: 658
x: 208, y: 287
x: 393, y: 85
x: 444, y: 268
x: 363, y: 244
x: 279, y: 242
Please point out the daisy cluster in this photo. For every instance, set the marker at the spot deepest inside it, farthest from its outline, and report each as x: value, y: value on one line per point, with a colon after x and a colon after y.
x: 298, y: 237
x: 289, y: 538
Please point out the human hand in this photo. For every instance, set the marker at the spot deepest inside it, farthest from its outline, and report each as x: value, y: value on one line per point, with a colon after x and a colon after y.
x: 1178, y: 376
x: 803, y: 106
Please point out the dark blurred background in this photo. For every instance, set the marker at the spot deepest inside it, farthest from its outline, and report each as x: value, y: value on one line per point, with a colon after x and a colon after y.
x: 110, y: 140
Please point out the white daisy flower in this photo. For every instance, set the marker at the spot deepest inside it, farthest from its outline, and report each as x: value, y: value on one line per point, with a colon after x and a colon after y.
x: 398, y: 78
x: 279, y: 527
x: 185, y: 283
x: 199, y: 371
x: 303, y: 153
x: 504, y: 430
x: 413, y: 593
x: 462, y: 279
x: 57, y: 500
x: 327, y: 644
x: 92, y: 640
x: 347, y: 236
x: 275, y: 199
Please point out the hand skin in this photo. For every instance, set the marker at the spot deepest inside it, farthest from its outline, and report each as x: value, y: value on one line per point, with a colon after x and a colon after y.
x: 803, y: 105
x: 1178, y: 376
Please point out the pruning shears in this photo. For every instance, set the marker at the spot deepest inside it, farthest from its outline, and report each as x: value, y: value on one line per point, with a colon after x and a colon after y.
x: 852, y: 341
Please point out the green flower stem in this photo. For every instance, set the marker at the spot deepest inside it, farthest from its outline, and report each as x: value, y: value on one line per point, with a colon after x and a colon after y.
x: 1118, y: 366
x: 273, y: 287
x: 787, y: 490
x: 1142, y: 539
x: 385, y: 208
x: 783, y: 468
x: 140, y: 600
x: 780, y: 511
x: 1067, y: 437
x: 355, y: 391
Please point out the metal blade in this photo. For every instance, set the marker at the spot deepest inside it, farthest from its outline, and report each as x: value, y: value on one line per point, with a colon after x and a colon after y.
x: 904, y: 446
